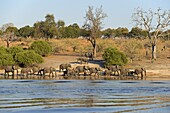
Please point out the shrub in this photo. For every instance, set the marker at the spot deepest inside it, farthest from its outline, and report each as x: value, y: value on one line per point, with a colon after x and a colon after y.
x: 14, y: 50
x: 41, y: 47
x: 113, y: 56
x: 28, y: 58
x: 6, y: 59
x: 3, y: 50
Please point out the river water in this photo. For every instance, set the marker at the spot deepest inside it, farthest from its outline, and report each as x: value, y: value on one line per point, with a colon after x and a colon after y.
x: 84, y: 96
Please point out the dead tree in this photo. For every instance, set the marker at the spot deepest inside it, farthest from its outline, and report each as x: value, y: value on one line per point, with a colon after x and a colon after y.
x: 154, y: 23
x: 93, y: 24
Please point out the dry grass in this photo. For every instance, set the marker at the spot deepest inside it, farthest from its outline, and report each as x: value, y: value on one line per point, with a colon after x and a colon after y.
x: 64, y: 50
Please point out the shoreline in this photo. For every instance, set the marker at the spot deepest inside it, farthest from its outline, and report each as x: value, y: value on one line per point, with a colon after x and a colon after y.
x: 156, y: 74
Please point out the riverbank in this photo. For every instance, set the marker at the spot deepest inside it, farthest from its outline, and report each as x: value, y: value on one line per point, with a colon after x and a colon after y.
x: 159, y: 70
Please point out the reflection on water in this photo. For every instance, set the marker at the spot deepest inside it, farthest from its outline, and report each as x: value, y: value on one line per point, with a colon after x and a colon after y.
x: 84, y: 96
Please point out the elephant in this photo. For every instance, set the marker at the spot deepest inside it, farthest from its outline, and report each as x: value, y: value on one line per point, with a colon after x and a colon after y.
x: 82, y: 69
x: 95, y: 70
x: 11, y: 69
x: 70, y: 72
x: 82, y: 60
x: 124, y: 72
x: 107, y: 72
x: 25, y: 71
x: 115, y: 69
x: 49, y: 70
x: 141, y: 71
x: 35, y: 70
x: 63, y: 67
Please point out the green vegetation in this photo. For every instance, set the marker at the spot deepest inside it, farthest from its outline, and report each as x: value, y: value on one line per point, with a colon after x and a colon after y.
x: 3, y: 50
x: 28, y: 58
x: 14, y: 50
x: 43, y: 48
x: 6, y: 59
x: 113, y: 56
x: 16, y: 55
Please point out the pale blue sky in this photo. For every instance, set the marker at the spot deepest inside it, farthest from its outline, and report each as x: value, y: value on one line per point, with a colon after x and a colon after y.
x: 27, y: 12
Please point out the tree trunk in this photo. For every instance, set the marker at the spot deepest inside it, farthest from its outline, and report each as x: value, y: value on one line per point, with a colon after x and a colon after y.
x: 94, y: 49
x: 7, y: 44
x: 153, y: 51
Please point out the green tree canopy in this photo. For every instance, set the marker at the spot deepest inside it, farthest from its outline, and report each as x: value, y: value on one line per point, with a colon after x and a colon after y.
x: 14, y: 50
x: 43, y: 48
x: 12, y: 30
x: 114, y: 57
x: 137, y: 33
x: 27, y: 58
x: 26, y: 31
x: 6, y: 59
x: 46, y: 29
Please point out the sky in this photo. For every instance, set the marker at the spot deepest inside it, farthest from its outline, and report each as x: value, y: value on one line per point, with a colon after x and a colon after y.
x: 119, y: 12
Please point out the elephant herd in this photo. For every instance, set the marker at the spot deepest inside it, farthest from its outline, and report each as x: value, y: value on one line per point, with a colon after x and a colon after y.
x: 115, y: 71
x: 29, y: 72
x: 67, y: 70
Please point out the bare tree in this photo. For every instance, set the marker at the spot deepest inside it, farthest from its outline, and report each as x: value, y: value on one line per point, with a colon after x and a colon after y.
x: 93, y: 24
x: 8, y: 37
x: 154, y: 23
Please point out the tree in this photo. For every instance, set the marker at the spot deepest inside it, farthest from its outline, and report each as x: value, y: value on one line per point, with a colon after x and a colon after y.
x: 93, y: 24
x: 137, y: 33
x: 5, y: 26
x: 50, y: 26
x: 46, y: 29
x: 121, y: 32
x: 14, y: 30
x: 60, y: 23
x: 27, y: 58
x: 107, y: 33
x: 5, y: 57
x: 9, y: 35
x: 61, y: 28
x: 112, y: 56
x: 43, y: 48
x: 153, y: 22
x: 71, y: 31
x: 26, y: 31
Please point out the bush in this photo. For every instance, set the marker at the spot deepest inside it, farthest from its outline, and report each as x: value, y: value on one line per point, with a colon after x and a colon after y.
x: 28, y: 58
x: 14, y: 50
x: 3, y: 50
x: 41, y: 47
x: 6, y: 59
x: 114, y: 57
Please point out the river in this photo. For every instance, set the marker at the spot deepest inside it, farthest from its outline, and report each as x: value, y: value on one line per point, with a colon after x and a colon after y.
x: 84, y: 96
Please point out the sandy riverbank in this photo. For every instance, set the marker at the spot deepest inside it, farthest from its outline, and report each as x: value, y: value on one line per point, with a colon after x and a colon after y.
x: 159, y: 70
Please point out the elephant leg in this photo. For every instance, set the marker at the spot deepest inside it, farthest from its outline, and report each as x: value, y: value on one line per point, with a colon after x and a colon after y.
x: 141, y: 76
x: 13, y: 75
x: 5, y: 75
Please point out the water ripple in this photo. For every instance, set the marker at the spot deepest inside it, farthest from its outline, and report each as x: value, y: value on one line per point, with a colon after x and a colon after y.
x: 84, y: 96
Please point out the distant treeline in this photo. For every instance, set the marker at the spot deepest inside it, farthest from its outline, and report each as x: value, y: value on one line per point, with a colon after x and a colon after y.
x: 51, y: 29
